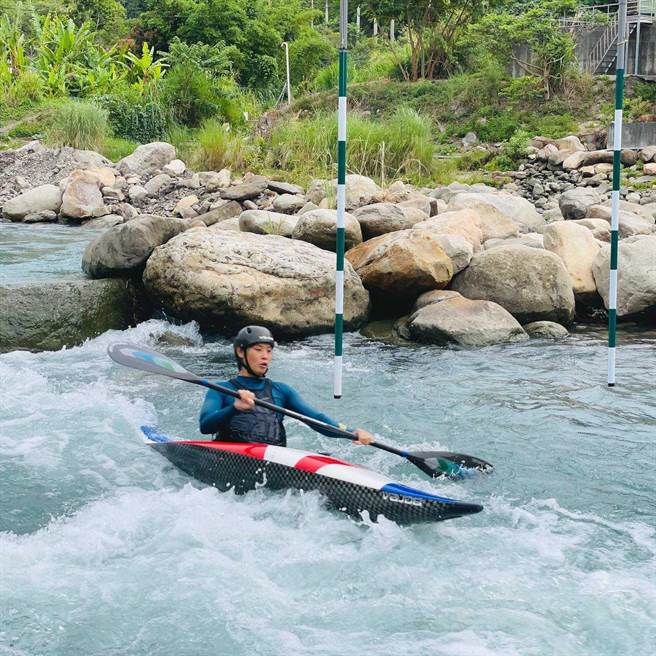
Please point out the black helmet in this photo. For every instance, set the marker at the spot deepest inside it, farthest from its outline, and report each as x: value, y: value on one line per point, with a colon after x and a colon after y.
x: 250, y: 335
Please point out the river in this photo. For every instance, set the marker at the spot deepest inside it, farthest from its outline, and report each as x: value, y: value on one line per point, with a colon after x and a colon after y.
x: 107, y: 550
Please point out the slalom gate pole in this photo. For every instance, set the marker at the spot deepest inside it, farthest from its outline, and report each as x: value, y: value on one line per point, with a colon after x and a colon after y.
x: 615, y: 197
x: 341, y: 198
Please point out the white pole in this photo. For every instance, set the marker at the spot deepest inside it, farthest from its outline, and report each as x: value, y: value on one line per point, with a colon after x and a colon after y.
x: 357, y: 18
x: 392, y: 30
x: 326, y: 11
x: 285, y: 45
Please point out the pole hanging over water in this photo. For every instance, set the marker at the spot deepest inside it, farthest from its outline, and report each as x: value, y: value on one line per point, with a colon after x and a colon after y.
x: 615, y: 198
x: 341, y: 197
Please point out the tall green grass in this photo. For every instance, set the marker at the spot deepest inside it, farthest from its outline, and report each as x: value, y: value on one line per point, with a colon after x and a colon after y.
x: 219, y: 147
x: 398, y: 146
x: 79, y: 124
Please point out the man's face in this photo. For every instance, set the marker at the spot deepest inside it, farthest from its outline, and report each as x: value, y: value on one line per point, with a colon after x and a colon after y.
x: 259, y: 357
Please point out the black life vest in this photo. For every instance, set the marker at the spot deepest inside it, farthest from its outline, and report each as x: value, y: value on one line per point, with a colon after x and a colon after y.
x: 256, y: 425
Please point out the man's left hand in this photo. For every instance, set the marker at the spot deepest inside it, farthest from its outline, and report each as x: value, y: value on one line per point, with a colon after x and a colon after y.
x: 364, y: 437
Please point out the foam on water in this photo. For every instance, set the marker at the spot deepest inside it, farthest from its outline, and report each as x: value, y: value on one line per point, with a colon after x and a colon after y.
x: 106, y: 549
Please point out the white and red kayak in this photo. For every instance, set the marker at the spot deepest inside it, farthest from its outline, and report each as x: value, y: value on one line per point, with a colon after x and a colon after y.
x: 350, y: 488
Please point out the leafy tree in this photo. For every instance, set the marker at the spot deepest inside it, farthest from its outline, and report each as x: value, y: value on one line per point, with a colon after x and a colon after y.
x: 551, y: 50
x: 432, y: 29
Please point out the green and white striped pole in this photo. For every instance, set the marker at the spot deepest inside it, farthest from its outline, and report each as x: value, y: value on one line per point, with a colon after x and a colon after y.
x: 341, y: 198
x: 615, y: 198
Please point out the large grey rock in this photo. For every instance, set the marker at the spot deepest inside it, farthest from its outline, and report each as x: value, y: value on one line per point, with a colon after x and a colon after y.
x: 532, y: 284
x: 147, y: 159
x: 381, y: 218
x: 53, y: 315
x: 231, y: 209
x: 245, y: 190
x: 288, y: 203
x: 517, y: 209
x: 648, y: 154
x: 155, y: 185
x: 213, y: 180
x: 545, y: 330
x: 284, y: 187
x: 599, y: 228
x: 319, y: 227
x: 457, y: 248
x: 83, y: 198
x: 124, y: 249
x: 574, y: 203
x: 360, y: 191
x: 224, y: 280
x: 465, y: 322
x: 263, y: 222
x: 402, y: 264
x: 39, y: 199
x: 636, y: 285
x: 464, y: 223
x: 577, y: 248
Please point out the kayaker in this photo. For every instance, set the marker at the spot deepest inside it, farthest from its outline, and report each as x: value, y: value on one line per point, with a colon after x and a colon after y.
x: 240, y: 420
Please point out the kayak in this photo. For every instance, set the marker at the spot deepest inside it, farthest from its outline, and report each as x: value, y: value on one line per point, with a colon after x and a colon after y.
x: 355, y: 490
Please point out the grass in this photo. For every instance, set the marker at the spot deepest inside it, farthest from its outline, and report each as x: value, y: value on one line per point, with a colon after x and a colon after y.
x: 399, y: 146
x: 219, y: 147
x: 79, y: 124
x: 115, y: 148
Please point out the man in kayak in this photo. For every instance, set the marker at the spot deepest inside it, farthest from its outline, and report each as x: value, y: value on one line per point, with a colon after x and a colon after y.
x: 240, y: 420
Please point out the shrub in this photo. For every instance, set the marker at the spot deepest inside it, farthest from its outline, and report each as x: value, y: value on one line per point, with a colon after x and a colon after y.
x: 79, y: 124
x: 219, y: 147
x: 135, y: 115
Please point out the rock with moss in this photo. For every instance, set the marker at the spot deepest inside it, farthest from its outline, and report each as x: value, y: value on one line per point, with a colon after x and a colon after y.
x: 319, y: 227
x: 545, y: 330
x: 263, y: 222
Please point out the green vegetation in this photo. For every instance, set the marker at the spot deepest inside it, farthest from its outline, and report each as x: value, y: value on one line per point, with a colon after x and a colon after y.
x: 79, y: 124
x: 110, y: 74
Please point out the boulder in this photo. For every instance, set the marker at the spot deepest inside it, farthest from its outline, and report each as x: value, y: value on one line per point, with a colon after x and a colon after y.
x: 649, y: 169
x: 414, y: 215
x: 245, y: 191
x: 463, y: 222
x: 124, y: 249
x: 147, y: 159
x: 587, y: 158
x: 517, y: 209
x: 381, y: 218
x: 319, y: 227
x: 225, y: 280
x: 231, y: 225
x: 420, y: 202
x: 531, y: 239
x: 545, y: 330
x: 574, y: 203
x: 47, y: 216
x: 214, y: 181
x: 636, y: 285
x: 263, y: 222
x: 599, y: 228
x: 532, y: 284
x: 42, y: 198
x: 175, y: 168
x: 465, y: 322
x: 83, y: 198
x: 648, y: 154
x: 571, y: 143
x: 289, y: 203
x: 284, y: 187
x: 360, y: 191
x: 137, y: 194
x: 49, y: 316
x: 228, y: 210
x: 577, y: 248
x: 457, y: 248
x: 434, y: 296
x: 155, y: 185
x: 401, y: 265
x: 185, y: 203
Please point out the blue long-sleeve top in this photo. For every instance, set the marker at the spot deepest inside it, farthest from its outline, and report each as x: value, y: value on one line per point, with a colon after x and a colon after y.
x: 219, y: 408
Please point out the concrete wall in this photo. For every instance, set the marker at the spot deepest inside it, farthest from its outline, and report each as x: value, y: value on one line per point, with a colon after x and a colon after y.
x: 635, y: 135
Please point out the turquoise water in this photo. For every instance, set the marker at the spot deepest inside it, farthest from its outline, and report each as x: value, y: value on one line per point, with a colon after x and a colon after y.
x: 42, y: 252
x: 106, y: 549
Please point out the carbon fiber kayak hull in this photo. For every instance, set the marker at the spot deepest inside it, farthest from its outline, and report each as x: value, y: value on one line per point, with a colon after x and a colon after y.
x: 349, y: 488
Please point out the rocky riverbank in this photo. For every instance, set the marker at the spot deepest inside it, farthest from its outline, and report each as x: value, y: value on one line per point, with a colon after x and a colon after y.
x: 473, y: 265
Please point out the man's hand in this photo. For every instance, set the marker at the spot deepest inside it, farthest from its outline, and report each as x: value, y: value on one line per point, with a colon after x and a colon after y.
x: 364, y: 437
x: 246, y: 400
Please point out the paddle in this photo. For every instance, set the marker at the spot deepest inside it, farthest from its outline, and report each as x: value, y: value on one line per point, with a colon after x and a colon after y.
x: 434, y: 463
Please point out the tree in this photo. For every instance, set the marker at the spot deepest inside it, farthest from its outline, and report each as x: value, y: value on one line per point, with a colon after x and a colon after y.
x: 551, y: 50
x: 432, y: 29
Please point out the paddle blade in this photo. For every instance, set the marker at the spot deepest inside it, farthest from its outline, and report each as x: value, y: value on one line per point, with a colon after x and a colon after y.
x: 145, y: 359
x: 439, y: 464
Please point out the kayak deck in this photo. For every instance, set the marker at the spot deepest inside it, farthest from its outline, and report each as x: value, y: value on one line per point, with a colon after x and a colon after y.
x: 349, y: 488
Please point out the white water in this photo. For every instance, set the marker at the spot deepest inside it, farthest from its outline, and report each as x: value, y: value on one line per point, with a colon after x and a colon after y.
x: 106, y: 549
